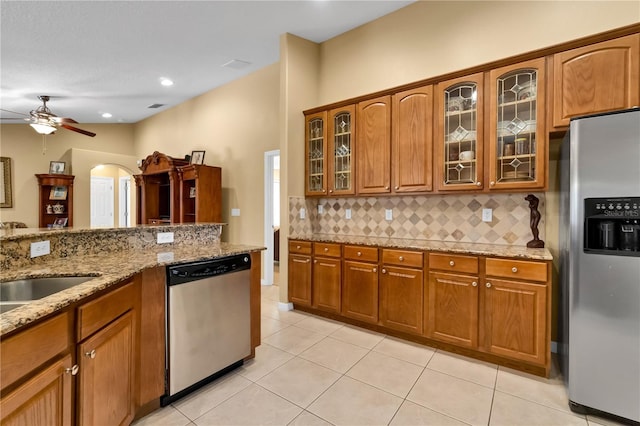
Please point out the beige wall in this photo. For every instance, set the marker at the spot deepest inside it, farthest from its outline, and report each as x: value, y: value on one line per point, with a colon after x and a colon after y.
x: 25, y: 148
x: 235, y: 124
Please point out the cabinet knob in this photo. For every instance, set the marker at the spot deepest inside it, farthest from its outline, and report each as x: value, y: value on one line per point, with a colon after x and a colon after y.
x: 478, y: 184
x: 452, y: 263
x: 384, y: 271
x: 298, y: 247
x: 91, y: 354
x: 474, y: 284
x: 331, y: 190
x: 397, y: 187
x: 514, y: 269
x: 315, y: 261
x: 375, y: 269
x: 308, y: 260
x: 359, y: 253
x: 326, y: 249
x: 386, y: 187
x: 492, y: 183
x: 401, y: 258
x: 73, y: 370
x: 488, y: 285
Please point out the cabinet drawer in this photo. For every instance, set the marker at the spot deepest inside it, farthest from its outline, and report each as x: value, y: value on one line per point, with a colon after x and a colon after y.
x: 326, y: 249
x: 363, y: 254
x: 29, y: 349
x: 96, y: 314
x: 520, y: 269
x: 300, y: 247
x: 453, y: 263
x: 402, y: 258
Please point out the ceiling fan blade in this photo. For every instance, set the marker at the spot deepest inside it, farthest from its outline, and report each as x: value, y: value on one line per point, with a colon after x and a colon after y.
x: 14, y: 112
x: 75, y: 129
x: 14, y: 118
x: 64, y: 120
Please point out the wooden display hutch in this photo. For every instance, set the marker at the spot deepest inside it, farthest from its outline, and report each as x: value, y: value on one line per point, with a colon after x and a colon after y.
x: 170, y: 190
x: 55, y: 200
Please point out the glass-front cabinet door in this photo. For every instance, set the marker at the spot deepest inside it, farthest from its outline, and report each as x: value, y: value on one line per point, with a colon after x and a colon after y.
x: 341, y: 146
x: 517, y: 144
x: 316, y: 154
x: 459, y: 134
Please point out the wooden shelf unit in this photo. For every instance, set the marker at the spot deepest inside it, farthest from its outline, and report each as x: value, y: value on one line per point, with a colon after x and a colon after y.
x: 45, y: 184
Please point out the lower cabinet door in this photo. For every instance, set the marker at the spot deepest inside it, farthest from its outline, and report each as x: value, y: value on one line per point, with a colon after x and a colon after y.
x: 452, y: 314
x: 107, y: 374
x: 401, y: 295
x: 360, y: 291
x: 326, y: 284
x: 515, y: 320
x: 46, y: 399
x: 300, y: 279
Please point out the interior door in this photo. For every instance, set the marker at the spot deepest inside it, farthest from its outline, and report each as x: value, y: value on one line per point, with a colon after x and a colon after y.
x: 102, y: 202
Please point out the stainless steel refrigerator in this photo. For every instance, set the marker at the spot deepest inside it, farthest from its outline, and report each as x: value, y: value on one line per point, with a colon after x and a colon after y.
x: 600, y: 263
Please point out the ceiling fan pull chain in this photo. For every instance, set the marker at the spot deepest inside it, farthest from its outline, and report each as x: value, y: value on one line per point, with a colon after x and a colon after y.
x: 44, y: 144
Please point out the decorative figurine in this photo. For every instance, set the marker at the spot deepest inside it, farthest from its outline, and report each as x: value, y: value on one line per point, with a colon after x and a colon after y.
x: 535, y: 219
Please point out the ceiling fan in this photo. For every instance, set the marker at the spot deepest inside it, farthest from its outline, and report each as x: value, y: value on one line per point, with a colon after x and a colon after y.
x: 45, y: 122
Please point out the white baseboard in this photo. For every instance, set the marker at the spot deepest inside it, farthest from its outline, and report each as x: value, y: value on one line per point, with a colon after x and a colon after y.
x: 283, y: 306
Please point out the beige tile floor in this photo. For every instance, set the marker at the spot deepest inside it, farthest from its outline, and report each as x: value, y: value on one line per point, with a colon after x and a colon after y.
x: 312, y: 371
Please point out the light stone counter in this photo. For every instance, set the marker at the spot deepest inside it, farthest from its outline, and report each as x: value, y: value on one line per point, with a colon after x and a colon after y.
x: 109, y: 262
x: 428, y: 245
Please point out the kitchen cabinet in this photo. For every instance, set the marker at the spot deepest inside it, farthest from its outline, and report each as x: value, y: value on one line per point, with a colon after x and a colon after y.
x: 373, y: 152
x: 360, y: 283
x: 459, y: 135
x: 55, y: 199
x: 315, y: 153
x: 300, y: 272
x: 412, y: 141
x: 401, y: 290
x: 596, y: 78
x: 341, y: 151
x: 452, y: 313
x: 515, y: 311
x: 200, y: 193
x: 517, y: 132
x: 327, y: 277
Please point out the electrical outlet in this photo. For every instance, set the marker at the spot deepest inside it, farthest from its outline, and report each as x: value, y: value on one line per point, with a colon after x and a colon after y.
x: 165, y: 256
x: 40, y: 248
x: 388, y: 214
x: 165, y: 237
x: 487, y: 215
x: 303, y: 213
x: 347, y: 213
x: 320, y: 209
x: 235, y: 212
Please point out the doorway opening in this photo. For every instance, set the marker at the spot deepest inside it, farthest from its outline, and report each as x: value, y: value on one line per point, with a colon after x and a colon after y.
x: 112, y: 197
x: 271, y: 216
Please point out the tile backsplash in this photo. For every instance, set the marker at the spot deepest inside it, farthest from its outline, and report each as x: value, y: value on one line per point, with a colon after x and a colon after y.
x: 456, y: 218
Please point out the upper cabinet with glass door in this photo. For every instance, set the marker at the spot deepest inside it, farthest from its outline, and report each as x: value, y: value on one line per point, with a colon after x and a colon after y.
x: 316, y: 154
x: 459, y: 134
x: 517, y: 137
x: 341, y: 148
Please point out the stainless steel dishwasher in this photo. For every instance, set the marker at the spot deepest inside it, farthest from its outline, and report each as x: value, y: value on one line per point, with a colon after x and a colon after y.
x: 207, y: 323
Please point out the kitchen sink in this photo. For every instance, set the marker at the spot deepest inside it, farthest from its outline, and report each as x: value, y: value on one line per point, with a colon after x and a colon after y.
x: 16, y: 293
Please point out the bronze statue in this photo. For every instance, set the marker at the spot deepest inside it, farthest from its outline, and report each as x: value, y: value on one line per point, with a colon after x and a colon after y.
x: 535, y: 219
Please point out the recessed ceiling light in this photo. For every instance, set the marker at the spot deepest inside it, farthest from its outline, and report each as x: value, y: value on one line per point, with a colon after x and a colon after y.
x: 106, y: 115
x: 166, y: 82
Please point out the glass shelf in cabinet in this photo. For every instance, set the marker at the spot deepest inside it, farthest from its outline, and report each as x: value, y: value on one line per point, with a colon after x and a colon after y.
x: 462, y: 112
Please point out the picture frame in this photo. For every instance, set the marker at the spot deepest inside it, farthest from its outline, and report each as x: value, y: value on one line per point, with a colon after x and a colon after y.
x: 58, y: 193
x: 197, y: 157
x: 60, y: 222
x: 192, y: 192
x: 6, y: 193
x: 57, y: 167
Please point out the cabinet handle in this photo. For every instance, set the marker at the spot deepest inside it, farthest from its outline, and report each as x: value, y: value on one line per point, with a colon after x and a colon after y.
x: 386, y: 187
x: 478, y: 184
x: 488, y: 285
x: 375, y: 269
x: 492, y: 183
x: 401, y: 259
x: 331, y: 190
x: 91, y: 354
x: 308, y: 260
x: 73, y: 370
x: 397, y: 187
x: 326, y: 249
x: 298, y: 247
x: 452, y: 263
x: 514, y: 269
x: 359, y: 253
x: 315, y: 261
x: 384, y: 271
x: 474, y: 284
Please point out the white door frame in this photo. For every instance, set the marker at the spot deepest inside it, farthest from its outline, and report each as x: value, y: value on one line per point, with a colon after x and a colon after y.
x: 124, y: 201
x: 268, y: 216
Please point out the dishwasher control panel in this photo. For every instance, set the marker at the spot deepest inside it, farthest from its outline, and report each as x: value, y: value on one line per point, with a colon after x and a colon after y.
x: 185, y: 272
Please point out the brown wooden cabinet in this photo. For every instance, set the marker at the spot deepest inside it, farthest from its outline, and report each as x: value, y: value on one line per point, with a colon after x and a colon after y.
x: 55, y: 200
x: 316, y: 154
x: 300, y: 272
x: 596, y: 78
x: 327, y: 277
x: 341, y: 167
x: 373, y: 152
x: 401, y: 290
x: 412, y: 141
x: 360, y: 283
x: 200, y: 193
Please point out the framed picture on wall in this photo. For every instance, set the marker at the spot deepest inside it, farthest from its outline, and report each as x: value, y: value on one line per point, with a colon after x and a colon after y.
x: 58, y: 193
x: 56, y: 167
x: 6, y: 199
x: 197, y: 157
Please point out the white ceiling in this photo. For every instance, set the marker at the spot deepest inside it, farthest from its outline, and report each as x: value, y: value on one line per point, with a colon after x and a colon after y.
x: 93, y: 57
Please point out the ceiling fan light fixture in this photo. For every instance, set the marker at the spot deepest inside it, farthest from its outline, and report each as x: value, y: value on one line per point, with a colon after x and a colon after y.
x: 43, y: 129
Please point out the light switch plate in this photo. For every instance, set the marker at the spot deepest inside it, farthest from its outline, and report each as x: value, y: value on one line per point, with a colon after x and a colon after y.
x: 320, y: 209
x: 347, y: 213
x: 235, y: 212
x: 40, y: 248
x: 165, y: 237
x: 303, y: 213
x: 487, y: 215
x: 388, y: 214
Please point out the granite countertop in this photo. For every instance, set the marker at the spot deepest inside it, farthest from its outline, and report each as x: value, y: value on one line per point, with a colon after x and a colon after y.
x: 109, y: 268
x: 428, y: 245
